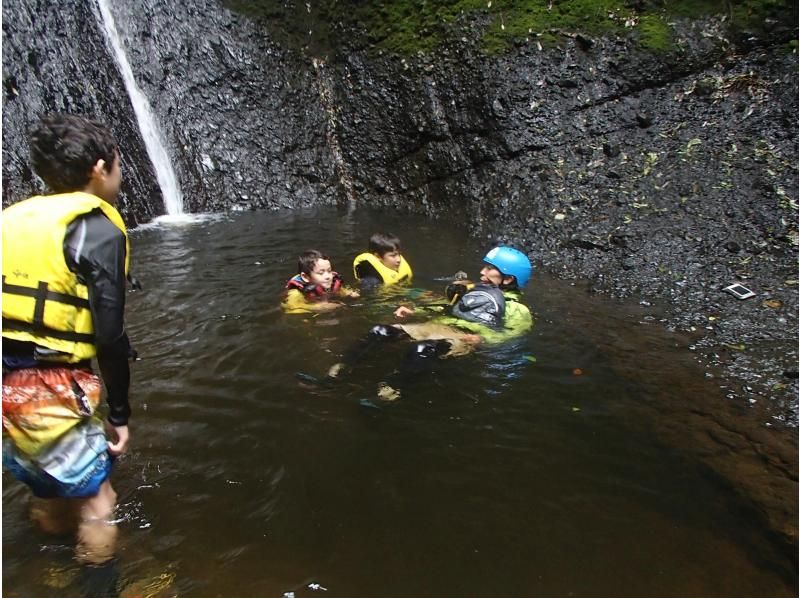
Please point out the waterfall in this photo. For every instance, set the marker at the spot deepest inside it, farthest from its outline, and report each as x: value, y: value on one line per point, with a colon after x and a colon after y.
x: 173, y: 198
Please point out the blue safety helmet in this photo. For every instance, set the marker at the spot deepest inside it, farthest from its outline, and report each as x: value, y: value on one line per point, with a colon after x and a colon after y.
x: 511, y: 262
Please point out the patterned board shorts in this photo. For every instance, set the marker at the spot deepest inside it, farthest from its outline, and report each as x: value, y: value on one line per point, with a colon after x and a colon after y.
x: 52, y: 439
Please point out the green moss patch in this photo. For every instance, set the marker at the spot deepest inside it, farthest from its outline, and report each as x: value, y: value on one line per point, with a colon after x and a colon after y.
x: 408, y: 27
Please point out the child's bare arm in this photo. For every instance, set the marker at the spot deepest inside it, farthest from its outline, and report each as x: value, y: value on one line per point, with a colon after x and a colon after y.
x: 403, y: 311
x: 349, y: 293
x: 323, y: 306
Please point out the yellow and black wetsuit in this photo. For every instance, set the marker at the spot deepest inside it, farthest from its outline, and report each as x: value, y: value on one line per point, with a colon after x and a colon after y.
x: 496, y: 315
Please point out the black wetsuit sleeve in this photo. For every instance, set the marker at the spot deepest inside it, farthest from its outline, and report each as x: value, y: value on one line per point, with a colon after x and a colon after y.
x: 95, y: 251
x: 368, y: 276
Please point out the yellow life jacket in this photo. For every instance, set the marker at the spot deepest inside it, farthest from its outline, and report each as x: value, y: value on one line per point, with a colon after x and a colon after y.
x: 43, y: 301
x: 388, y: 276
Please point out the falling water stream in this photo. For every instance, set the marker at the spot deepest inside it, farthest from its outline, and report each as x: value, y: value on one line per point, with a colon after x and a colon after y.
x: 173, y: 198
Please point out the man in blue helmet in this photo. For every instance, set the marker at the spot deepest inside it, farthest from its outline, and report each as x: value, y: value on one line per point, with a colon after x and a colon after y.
x: 489, y: 311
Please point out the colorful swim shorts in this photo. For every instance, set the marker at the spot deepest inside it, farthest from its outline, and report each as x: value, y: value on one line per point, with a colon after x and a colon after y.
x: 52, y: 441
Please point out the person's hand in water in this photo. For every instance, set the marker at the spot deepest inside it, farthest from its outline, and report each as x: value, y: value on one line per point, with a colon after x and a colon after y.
x: 472, y: 339
x: 455, y: 290
x: 403, y: 311
x: 120, y: 436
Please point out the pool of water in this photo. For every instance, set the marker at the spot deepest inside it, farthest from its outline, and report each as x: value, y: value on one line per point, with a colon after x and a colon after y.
x: 536, y: 469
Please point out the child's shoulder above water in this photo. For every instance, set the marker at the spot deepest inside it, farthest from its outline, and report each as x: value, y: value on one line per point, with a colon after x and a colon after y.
x: 383, y: 262
x: 316, y: 287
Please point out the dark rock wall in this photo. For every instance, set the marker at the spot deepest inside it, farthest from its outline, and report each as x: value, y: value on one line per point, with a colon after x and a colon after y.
x: 241, y: 115
x: 661, y: 177
x: 55, y: 59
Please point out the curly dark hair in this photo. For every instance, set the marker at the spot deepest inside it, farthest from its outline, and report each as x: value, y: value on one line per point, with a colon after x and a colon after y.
x: 65, y: 147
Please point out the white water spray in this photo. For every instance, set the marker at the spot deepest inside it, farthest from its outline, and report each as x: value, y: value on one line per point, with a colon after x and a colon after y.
x: 173, y: 198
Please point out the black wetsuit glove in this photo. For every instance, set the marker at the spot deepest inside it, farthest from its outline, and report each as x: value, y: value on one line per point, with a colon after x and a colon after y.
x: 454, y: 291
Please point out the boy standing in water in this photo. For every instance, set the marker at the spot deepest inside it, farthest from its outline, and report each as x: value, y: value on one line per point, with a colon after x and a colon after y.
x: 488, y: 312
x: 382, y: 264
x: 65, y: 261
x: 315, y: 284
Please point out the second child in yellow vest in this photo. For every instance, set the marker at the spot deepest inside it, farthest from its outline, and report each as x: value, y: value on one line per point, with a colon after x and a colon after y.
x: 382, y: 264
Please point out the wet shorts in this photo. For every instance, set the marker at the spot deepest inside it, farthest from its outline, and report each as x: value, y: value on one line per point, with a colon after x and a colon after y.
x: 52, y: 441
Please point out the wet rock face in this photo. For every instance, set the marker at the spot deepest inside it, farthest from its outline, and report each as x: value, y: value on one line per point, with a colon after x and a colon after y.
x: 57, y: 61
x: 241, y: 114
x: 659, y: 177
x: 663, y: 180
x: 240, y: 117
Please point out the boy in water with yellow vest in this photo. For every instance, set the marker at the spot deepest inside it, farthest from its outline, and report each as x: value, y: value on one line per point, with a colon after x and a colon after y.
x: 489, y: 312
x: 382, y: 264
x: 65, y: 263
x: 314, y: 286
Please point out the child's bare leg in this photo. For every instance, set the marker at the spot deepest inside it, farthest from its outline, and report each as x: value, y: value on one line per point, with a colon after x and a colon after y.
x: 55, y: 516
x: 96, y: 532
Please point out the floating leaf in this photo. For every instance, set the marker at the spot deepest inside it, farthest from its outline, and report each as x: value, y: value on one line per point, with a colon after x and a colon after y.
x: 530, y: 358
x: 739, y: 347
x: 576, y: 409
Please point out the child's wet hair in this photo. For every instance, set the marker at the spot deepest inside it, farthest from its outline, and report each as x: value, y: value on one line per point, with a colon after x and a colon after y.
x: 308, y: 259
x: 64, y: 148
x: 383, y: 243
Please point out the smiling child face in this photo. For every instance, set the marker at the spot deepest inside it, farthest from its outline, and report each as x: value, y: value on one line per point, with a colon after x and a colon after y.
x: 322, y: 274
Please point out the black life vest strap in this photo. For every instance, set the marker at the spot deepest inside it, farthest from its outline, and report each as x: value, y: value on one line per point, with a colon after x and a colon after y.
x: 32, y: 328
x: 41, y: 293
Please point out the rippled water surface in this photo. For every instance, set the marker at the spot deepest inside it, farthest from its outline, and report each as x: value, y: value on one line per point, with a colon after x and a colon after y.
x: 532, y: 470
